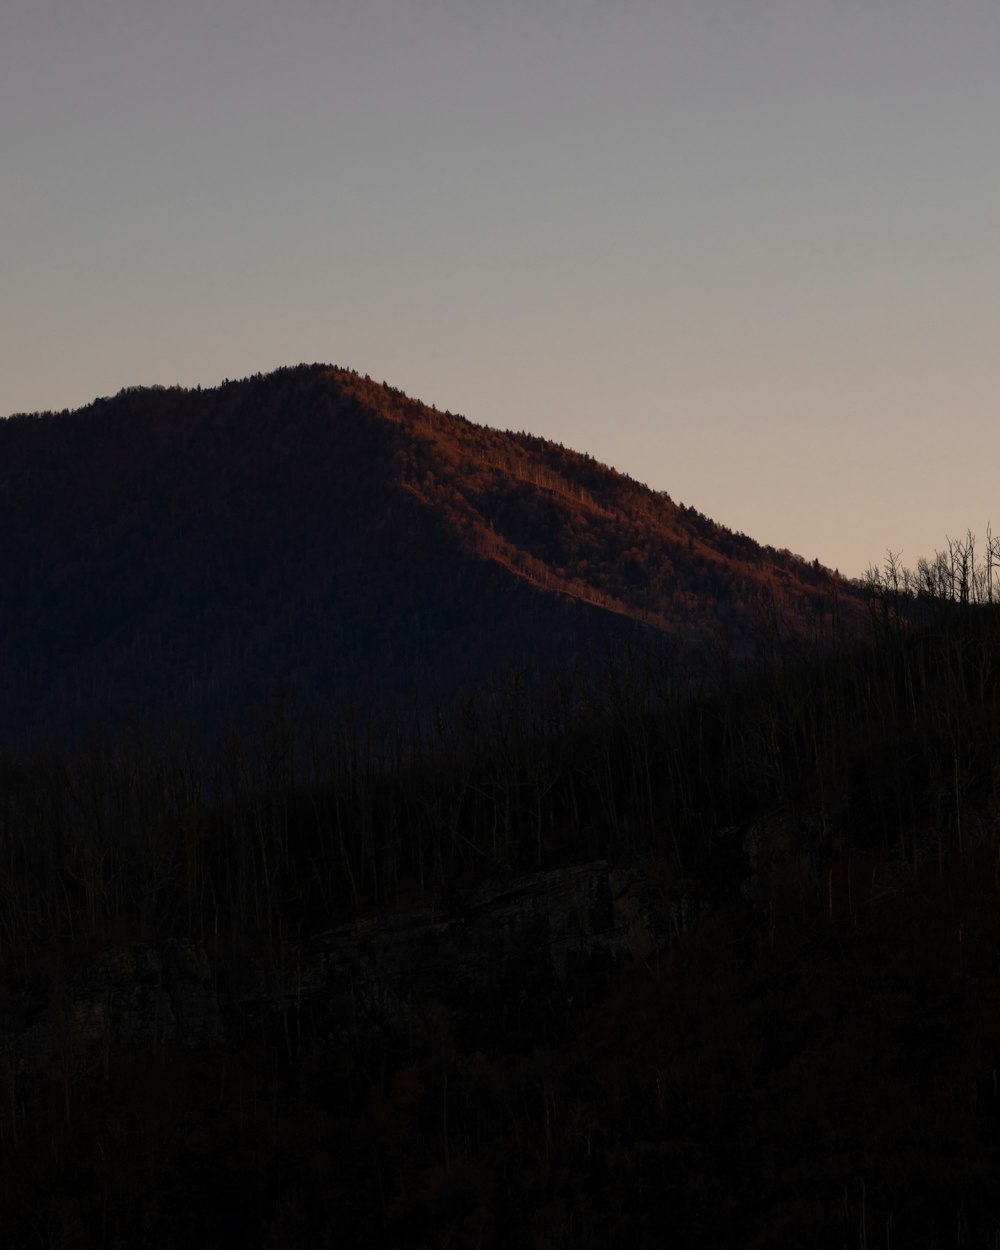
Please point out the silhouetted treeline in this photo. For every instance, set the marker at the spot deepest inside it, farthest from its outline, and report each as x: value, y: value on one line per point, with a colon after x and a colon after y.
x: 301, y: 812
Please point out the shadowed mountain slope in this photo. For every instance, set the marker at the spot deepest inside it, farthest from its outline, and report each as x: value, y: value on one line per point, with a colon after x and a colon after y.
x: 174, y: 552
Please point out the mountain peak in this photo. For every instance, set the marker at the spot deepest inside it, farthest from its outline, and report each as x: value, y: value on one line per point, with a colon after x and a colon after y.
x: 188, y: 550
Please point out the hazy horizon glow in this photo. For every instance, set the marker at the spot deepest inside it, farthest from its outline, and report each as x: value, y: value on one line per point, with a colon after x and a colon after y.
x: 745, y: 253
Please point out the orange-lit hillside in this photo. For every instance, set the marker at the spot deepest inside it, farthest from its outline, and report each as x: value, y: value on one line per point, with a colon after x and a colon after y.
x: 570, y: 524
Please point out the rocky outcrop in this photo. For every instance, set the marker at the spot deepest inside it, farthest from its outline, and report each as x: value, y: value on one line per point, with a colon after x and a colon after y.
x: 136, y: 996
x: 500, y: 954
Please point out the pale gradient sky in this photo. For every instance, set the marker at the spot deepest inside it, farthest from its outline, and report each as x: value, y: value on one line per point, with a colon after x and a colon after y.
x: 747, y: 251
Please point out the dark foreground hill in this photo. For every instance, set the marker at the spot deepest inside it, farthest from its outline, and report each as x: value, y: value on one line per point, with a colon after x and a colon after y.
x: 723, y: 973
x: 183, y: 553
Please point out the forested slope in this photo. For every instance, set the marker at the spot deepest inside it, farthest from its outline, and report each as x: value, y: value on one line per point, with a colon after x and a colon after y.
x: 182, y: 555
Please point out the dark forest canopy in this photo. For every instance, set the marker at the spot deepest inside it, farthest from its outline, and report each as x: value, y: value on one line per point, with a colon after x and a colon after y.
x: 802, y: 1050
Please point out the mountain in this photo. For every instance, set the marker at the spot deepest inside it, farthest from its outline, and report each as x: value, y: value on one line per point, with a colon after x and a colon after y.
x: 590, y: 971
x: 189, y: 552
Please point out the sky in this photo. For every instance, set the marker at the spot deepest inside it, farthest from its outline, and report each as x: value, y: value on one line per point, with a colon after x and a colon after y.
x: 747, y: 251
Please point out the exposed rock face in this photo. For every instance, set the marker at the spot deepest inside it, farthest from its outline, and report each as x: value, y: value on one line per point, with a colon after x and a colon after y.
x: 499, y: 954
x: 500, y: 950
x: 193, y: 997
x: 135, y: 996
x: 775, y: 866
